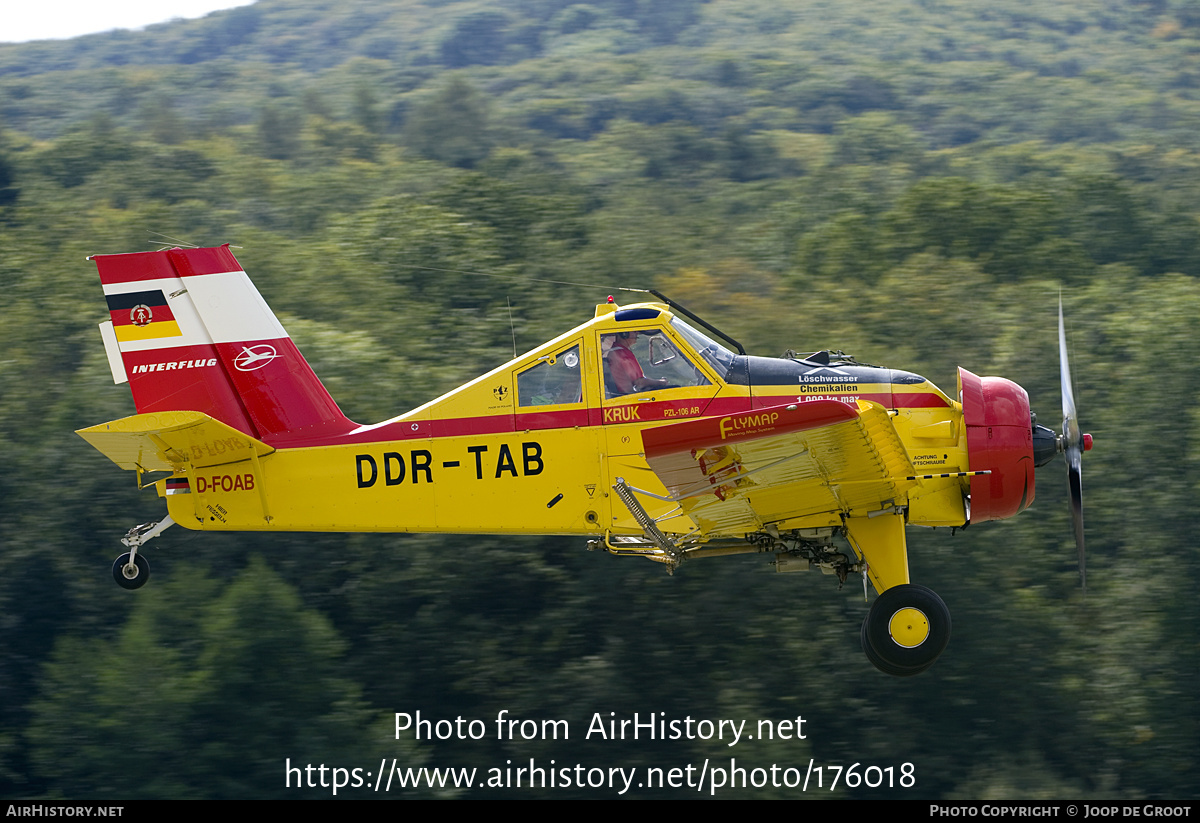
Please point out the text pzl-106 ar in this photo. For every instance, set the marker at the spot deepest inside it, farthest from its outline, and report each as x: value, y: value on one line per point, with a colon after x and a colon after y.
x: 640, y: 430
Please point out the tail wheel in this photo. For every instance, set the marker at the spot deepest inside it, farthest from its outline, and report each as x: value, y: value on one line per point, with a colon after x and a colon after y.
x: 131, y: 575
x: 905, y: 631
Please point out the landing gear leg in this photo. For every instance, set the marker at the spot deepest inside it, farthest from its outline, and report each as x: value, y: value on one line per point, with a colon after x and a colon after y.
x: 905, y: 631
x: 131, y: 570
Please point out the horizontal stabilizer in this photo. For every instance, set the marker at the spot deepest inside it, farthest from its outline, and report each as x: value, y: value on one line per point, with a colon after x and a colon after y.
x: 168, y: 441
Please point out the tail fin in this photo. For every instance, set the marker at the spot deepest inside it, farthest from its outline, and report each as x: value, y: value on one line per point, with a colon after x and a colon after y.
x: 194, y: 334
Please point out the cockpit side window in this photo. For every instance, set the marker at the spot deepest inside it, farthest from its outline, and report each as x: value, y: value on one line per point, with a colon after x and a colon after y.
x: 557, y: 380
x: 642, y: 360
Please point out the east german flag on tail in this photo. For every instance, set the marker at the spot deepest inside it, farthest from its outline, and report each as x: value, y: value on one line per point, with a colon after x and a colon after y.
x: 142, y: 315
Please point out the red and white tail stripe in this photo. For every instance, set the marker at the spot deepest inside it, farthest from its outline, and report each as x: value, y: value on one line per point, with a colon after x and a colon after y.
x: 191, y: 332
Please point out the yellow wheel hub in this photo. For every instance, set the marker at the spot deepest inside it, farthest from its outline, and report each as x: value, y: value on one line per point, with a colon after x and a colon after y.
x: 909, y: 627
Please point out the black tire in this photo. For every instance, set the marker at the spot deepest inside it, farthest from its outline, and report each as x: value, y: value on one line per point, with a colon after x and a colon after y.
x: 877, y: 661
x: 142, y: 567
x: 906, y: 630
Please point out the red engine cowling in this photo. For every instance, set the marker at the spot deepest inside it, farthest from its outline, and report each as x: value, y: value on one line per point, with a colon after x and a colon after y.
x: 1000, y: 440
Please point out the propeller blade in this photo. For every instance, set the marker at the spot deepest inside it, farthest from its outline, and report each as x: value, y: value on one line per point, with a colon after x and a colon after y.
x: 1075, y: 481
x: 1073, y: 446
x: 1068, y: 397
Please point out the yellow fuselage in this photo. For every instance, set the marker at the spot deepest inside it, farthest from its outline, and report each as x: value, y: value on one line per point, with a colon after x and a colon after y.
x: 535, y: 447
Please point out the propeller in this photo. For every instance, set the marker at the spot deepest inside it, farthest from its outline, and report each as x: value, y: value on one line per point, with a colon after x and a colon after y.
x: 1072, y: 444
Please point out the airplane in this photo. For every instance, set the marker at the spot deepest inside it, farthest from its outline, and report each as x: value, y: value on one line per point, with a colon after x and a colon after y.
x: 646, y: 430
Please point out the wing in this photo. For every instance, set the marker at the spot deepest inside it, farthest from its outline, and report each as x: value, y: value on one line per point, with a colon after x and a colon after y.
x: 798, y: 466
x: 167, y: 441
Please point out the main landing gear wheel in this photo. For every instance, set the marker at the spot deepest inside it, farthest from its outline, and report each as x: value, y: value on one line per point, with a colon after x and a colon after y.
x: 131, y: 575
x: 905, y: 631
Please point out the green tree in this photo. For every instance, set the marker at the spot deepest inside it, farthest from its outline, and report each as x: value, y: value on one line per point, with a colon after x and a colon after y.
x: 277, y: 132
x: 477, y: 38
x: 9, y: 190
x: 197, y: 697
x: 89, y: 147
x: 452, y: 126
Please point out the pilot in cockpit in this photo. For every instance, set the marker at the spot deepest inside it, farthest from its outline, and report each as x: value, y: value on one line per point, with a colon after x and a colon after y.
x: 622, y: 372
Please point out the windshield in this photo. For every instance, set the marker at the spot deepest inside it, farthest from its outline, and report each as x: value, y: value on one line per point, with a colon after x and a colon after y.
x: 716, y: 355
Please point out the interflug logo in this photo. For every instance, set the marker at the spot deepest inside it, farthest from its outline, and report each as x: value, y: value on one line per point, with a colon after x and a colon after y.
x: 254, y: 357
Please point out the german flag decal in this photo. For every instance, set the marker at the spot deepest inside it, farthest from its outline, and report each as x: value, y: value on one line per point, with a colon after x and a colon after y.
x: 178, y: 485
x: 142, y: 315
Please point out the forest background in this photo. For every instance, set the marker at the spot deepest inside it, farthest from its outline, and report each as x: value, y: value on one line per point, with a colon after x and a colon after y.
x: 914, y: 183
